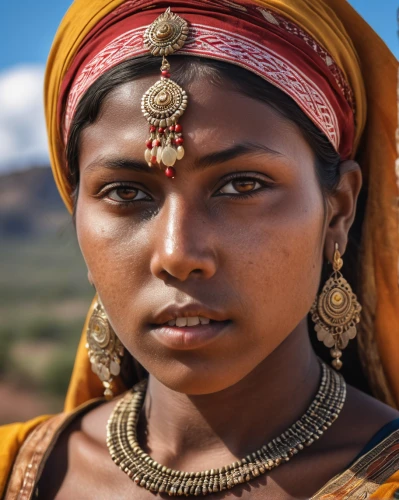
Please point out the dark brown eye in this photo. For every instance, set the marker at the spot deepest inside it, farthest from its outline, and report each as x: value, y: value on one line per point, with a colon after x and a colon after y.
x: 244, y: 185
x: 125, y: 193
x: 240, y: 186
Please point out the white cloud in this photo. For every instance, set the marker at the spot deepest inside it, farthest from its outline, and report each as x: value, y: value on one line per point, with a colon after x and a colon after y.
x: 23, y: 140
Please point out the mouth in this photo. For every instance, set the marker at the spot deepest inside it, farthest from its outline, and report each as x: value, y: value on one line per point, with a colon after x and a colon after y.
x: 189, y: 332
x: 182, y: 322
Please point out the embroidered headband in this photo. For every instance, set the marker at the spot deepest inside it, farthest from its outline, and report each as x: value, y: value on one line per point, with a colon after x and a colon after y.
x: 242, y: 33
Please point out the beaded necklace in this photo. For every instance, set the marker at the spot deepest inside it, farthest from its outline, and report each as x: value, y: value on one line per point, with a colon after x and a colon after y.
x: 126, y: 452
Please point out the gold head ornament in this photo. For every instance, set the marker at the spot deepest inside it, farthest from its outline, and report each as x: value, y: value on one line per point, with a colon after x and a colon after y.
x: 165, y: 102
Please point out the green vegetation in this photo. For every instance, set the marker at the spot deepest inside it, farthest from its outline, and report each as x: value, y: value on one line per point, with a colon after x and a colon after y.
x: 44, y: 298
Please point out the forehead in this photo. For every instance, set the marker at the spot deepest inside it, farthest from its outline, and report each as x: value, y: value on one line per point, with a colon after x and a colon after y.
x: 216, y: 117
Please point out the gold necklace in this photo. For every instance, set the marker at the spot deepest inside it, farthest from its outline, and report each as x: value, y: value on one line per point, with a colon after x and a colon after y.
x: 126, y: 452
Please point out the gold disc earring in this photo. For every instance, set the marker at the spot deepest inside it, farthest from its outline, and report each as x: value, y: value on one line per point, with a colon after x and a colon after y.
x: 105, y: 350
x: 336, y: 312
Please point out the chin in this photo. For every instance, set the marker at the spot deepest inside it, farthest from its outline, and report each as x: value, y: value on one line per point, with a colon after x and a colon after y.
x: 199, y: 377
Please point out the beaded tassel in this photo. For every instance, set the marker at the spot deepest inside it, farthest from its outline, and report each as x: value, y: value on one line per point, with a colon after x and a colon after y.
x: 165, y: 146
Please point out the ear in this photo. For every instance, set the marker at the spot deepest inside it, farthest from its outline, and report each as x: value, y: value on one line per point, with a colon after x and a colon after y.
x: 342, y: 208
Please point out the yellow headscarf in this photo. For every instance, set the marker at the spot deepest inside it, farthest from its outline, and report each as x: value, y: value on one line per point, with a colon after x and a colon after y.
x: 353, y: 44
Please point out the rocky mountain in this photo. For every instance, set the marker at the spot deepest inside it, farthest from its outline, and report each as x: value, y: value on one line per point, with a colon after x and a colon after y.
x: 30, y: 205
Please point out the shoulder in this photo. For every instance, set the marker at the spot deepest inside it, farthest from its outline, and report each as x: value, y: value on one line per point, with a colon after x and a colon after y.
x: 24, y: 448
x: 365, y: 416
x: 374, y: 475
x: 372, y: 429
x: 70, y: 460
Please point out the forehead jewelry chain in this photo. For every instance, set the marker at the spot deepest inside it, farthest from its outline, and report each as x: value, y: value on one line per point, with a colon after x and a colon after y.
x: 125, y: 450
x: 165, y: 102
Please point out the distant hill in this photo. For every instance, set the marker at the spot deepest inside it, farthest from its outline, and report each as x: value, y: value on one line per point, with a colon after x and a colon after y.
x: 30, y: 205
x: 44, y: 295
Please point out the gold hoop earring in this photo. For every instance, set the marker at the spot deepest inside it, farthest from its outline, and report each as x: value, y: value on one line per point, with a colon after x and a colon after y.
x: 336, y: 312
x: 105, y: 350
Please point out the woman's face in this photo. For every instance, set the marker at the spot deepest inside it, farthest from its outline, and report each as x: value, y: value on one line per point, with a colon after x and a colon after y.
x: 236, y: 237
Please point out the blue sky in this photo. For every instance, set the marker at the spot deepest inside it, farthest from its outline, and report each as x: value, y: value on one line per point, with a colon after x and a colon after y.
x: 27, y: 28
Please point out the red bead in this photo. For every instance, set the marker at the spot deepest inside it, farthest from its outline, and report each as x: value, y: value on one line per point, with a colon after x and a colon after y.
x: 153, y: 129
x: 161, y: 130
x: 170, y: 172
x: 149, y: 144
x: 178, y: 128
x: 172, y: 128
x: 153, y: 159
x: 155, y: 143
x: 166, y: 74
x: 179, y: 141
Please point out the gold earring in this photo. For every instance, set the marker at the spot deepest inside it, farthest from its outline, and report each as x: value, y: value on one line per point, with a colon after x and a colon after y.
x: 105, y: 350
x: 336, y: 312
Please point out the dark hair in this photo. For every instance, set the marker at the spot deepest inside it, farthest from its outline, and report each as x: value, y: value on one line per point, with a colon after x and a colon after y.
x: 185, y: 69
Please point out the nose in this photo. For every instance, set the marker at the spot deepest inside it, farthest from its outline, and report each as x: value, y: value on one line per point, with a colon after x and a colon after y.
x: 183, y: 246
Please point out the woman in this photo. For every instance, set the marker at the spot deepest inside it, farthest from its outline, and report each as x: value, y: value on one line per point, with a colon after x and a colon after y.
x: 213, y: 202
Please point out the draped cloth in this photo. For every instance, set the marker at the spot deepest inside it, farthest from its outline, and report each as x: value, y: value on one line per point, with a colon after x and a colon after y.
x: 362, y: 61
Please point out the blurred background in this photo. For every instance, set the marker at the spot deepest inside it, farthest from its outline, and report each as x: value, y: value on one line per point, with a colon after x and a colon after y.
x: 44, y: 293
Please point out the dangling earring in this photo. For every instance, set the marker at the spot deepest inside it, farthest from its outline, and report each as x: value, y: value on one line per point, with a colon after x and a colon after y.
x: 104, y: 348
x: 336, y: 312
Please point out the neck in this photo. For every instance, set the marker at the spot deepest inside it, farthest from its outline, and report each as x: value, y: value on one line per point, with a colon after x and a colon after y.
x: 238, y: 420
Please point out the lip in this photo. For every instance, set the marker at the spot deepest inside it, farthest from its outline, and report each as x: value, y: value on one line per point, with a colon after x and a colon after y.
x: 188, y: 337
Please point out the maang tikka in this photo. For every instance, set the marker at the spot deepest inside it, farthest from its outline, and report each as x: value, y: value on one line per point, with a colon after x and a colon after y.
x: 336, y: 312
x: 165, y: 102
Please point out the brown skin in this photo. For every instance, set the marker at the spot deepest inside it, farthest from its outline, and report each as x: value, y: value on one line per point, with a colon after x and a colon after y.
x: 256, y: 260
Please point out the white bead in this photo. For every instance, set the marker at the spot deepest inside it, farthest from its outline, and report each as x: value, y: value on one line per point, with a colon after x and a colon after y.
x: 180, y: 152
x: 103, y: 373
x: 159, y: 155
x: 169, y: 156
x: 154, y: 152
x: 147, y: 155
x: 115, y: 368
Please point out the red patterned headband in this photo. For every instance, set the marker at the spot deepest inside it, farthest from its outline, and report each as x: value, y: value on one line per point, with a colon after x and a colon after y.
x: 241, y: 33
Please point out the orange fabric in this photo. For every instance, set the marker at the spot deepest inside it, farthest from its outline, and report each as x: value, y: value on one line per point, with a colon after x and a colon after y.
x: 11, y: 439
x: 388, y: 489
x: 25, y: 470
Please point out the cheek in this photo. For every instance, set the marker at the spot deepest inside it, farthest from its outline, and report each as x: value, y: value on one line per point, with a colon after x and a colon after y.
x: 113, y: 252
x: 280, y: 257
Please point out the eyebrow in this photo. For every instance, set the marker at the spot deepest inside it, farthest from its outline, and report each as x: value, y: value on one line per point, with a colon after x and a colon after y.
x: 118, y: 163
x: 202, y: 163
x: 235, y: 151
